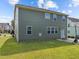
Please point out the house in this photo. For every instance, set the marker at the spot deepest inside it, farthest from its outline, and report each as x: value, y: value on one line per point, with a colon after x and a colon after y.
x: 37, y: 23
x: 4, y: 27
x: 71, y: 30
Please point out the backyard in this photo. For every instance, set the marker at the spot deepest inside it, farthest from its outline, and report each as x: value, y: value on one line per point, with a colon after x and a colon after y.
x: 49, y: 49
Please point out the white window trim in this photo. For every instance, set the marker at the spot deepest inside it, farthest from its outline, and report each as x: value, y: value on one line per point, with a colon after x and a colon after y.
x: 50, y: 29
x: 63, y: 18
x: 26, y: 30
x: 47, y: 15
x: 55, y: 28
x: 54, y: 16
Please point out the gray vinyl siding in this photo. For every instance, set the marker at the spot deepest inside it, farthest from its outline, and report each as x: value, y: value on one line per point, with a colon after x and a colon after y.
x: 39, y: 24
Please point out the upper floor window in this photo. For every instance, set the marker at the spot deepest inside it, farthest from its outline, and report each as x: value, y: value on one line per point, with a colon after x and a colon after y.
x: 54, y: 17
x: 63, y: 18
x: 29, y: 29
x: 47, y: 16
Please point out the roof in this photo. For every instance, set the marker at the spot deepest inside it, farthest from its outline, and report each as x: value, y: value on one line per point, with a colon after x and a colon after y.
x: 73, y: 19
x: 4, y: 23
x: 38, y: 9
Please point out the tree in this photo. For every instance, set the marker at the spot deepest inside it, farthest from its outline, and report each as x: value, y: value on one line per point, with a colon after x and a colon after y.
x: 13, y: 24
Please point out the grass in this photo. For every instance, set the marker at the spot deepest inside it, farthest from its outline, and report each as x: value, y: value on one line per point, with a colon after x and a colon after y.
x: 3, y: 39
x: 51, y: 49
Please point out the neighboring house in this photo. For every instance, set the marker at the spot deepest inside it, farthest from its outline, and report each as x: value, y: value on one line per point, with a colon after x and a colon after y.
x: 71, y: 23
x: 4, y: 27
x: 37, y: 23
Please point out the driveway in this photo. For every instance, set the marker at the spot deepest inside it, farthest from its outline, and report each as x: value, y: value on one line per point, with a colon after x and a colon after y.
x: 69, y: 40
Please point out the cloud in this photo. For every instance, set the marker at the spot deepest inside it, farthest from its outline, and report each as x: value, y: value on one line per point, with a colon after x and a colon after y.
x: 47, y: 4
x: 70, y: 5
x: 58, y: 11
x: 69, y: 11
x: 13, y: 2
x: 64, y: 11
x: 5, y: 19
x: 40, y: 3
x: 75, y: 3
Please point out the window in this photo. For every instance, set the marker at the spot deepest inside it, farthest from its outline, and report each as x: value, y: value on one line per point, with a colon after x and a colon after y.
x: 49, y: 30
x: 52, y: 30
x: 68, y: 31
x: 68, y: 25
x: 54, y: 17
x: 29, y: 30
x: 56, y: 30
x: 63, y: 17
x: 47, y: 16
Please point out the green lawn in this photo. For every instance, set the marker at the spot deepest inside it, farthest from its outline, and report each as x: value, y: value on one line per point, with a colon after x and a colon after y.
x: 52, y: 49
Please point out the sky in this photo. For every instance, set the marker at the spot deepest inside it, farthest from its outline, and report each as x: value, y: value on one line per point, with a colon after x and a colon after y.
x: 70, y: 7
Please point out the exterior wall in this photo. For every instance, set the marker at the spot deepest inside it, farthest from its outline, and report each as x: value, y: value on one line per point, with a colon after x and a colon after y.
x: 71, y: 28
x: 77, y: 27
x: 78, y: 31
x: 39, y: 24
